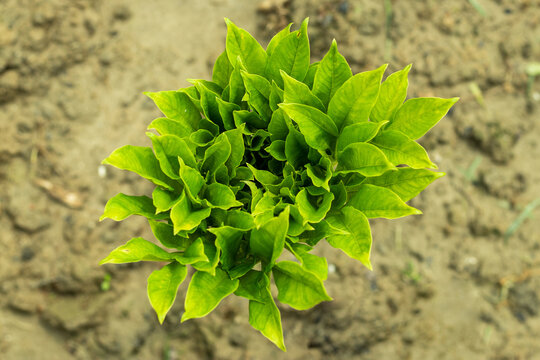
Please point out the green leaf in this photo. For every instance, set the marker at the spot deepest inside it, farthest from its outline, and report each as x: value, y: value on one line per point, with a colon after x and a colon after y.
x: 332, y: 72
x: 201, y: 137
x: 241, y: 44
x: 298, y: 92
x: 276, y: 97
x: 163, y: 200
x: 228, y: 241
x: 290, y: 55
x: 318, y: 129
x: 406, y: 182
x: 353, y: 101
x: 393, y: 93
x: 310, y: 76
x: 263, y: 176
x: 277, y: 150
x: 122, y: 206
x: 192, y: 180
x: 399, y: 149
x: 268, y: 240
x: 165, y: 234
x: 216, y: 155
x: 176, y: 105
x: 137, y: 249
x: 209, y: 103
x: 416, y: 116
x: 168, y: 148
x: 226, y: 110
x: 375, y: 202
x: 220, y: 196
x: 236, y: 140
x: 296, y: 148
x: 239, y: 220
x: 236, y: 83
x: 253, y: 286
x: 278, y: 127
x: 340, y: 195
x: 205, y: 292
x: 313, y: 263
x: 362, y: 158
x: 193, y: 254
x: 258, y: 89
x: 298, y: 287
x: 184, y: 217
x: 212, y: 254
x: 320, y: 174
x: 249, y: 118
x: 361, y: 132
x: 266, y: 318
x: 222, y: 70
x: 355, y: 240
x: 162, y: 287
x: 277, y: 39
x: 166, y: 126
x: 140, y: 160
x: 313, y: 209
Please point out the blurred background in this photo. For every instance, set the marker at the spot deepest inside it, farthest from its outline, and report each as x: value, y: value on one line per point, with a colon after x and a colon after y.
x: 461, y: 281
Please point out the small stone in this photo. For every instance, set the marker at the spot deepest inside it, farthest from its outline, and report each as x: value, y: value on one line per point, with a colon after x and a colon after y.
x: 122, y: 13
x: 27, y: 253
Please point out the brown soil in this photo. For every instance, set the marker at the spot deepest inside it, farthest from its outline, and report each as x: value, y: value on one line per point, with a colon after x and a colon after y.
x: 445, y: 285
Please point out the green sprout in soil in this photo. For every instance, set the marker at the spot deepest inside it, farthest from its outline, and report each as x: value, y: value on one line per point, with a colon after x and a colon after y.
x: 273, y: 155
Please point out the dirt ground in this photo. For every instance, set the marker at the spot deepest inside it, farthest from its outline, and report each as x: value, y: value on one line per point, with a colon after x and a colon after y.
x: 454, y: 283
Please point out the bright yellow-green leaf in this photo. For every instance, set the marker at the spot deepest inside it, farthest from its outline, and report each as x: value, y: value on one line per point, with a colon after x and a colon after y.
x: 362, y: 158
x: 416, y: 116
x: 176, y: 105
x: 241, y: 44
x: 184, y: 217
x: 393, y: 93
x: 406, y: 182
x: 360, y: 132
x: 205, y: 292
x: 268, y: 240
x: 318, y: 129
x: 122, y: 206
x: 137, y: 249
x: 140, y: 160
x: 400, y: 150
x: 332, y: 72
x: 355, y: 239
x: 353, y: 101
x: 162, y: 287
x: 375, y: 201
x: 298, y: 287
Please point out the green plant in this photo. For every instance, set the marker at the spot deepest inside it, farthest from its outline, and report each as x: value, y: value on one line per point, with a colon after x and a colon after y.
x: 273, y: 154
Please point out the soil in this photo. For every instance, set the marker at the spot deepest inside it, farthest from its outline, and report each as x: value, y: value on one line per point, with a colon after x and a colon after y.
x: 450, y: 284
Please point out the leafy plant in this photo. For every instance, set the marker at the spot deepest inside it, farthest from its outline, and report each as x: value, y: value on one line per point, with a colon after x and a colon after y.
x: 273, y: 155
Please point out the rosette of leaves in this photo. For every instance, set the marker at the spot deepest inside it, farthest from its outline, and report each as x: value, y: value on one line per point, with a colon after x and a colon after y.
x: 254, y: 168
